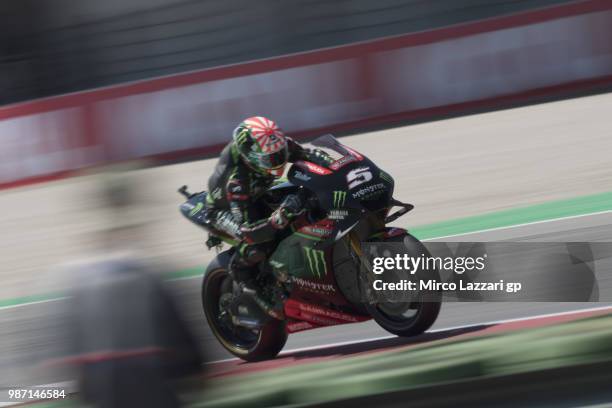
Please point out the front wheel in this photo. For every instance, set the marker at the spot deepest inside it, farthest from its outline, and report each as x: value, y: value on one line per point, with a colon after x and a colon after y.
x: 247, y: 344
x: 405, y: 320
x: 408, y: 319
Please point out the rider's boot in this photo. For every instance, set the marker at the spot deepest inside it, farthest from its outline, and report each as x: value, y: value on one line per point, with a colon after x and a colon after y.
x: 242, y: 273
x: 272, y: 309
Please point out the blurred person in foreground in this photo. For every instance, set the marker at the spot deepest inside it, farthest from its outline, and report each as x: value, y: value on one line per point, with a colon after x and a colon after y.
x: 125, y: 335
x: 249, y: 165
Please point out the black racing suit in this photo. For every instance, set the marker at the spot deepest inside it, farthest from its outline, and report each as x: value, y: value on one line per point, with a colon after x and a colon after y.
x: 232, y: 206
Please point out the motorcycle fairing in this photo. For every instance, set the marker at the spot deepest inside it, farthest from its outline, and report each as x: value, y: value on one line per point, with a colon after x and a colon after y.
x: 304, y: 316
x: 307, y: 269
x: 346, y: 193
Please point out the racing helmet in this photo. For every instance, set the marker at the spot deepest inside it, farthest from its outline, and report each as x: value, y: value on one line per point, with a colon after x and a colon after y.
x: 262, y: 145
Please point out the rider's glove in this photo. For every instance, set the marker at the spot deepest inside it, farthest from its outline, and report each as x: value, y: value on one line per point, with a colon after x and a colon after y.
x: 279, y: 218
x: 319, y: 157
x: 290, y: 207
x: 292, y: 204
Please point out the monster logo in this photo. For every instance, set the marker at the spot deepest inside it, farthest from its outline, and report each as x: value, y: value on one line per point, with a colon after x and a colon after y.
x: 242, y: 136
x: 316, y: 261
x: 385, y: 176
x: 339, y: 198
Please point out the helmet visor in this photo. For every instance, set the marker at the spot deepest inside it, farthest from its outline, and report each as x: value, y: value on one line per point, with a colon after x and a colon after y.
x: 270, y: 161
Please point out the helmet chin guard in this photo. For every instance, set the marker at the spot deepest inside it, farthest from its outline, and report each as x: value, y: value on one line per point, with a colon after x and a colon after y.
x: 277, y: 172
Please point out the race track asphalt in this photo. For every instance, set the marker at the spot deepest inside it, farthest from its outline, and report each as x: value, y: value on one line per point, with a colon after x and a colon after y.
x: 28, y: 333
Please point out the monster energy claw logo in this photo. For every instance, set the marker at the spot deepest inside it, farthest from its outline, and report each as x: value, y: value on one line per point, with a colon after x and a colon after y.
x: 386, y: 177
x: 242, y: 136
x: 316, y: 261
x: 339, y: 198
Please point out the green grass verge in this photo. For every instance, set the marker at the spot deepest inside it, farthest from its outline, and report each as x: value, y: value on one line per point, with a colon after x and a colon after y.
x: 547, y: 211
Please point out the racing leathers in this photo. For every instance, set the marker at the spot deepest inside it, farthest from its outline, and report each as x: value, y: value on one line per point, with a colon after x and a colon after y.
x: 233, y: 206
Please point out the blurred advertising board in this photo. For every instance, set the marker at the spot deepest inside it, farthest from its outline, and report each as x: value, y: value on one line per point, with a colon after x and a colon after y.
x: 480, y: 64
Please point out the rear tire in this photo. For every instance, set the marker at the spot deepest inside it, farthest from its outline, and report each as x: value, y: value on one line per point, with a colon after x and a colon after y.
x: 389, y: 316
x: 249, y: 345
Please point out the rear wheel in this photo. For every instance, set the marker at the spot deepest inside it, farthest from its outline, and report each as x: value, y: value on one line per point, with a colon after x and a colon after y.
x: 409, y: 318
x: 247, y: 344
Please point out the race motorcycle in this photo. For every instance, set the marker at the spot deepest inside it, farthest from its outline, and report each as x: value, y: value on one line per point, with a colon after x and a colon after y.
x: 316, y: 270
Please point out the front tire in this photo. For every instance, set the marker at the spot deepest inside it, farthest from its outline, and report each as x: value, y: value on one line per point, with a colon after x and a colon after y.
x: 246, y: 344
x: 408, y: 319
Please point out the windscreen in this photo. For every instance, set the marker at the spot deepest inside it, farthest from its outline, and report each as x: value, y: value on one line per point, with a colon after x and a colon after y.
x: 340, y: 153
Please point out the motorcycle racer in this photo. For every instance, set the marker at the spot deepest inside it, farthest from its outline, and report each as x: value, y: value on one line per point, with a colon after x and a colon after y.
x: 247, y: 167
x: 313, y: 272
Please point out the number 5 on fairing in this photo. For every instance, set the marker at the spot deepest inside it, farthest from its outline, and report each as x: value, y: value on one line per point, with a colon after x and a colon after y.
x: 358, y: 176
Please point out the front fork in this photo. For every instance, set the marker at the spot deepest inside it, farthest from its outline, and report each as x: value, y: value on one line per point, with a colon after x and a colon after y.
x: 366, y: 279
x: 387, y: 233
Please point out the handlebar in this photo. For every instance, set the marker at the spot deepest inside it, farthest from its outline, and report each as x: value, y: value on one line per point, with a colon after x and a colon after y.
x: 183, y: 191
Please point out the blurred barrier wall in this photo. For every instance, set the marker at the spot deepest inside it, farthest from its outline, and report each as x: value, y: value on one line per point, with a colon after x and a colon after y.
x: 57, y: 46
x: 408, y: 76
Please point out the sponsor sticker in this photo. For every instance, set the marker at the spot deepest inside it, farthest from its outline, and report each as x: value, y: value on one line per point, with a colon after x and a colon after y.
x: 386, y: 177
x: 337, y: 214
x: 314, y: 286
x: 313, y: 168
x: 339, y: 199
x: 316, y: 261
x: 369, y: 191
x: 342, y: 162
x: 302, y: 176
x: 319, y: 232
